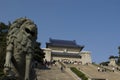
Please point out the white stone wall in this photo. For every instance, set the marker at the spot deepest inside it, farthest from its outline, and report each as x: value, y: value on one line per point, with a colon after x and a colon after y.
x: 86, y: 57
x: 64, y: 58
x: 47, y: 52
x: 76, y: 50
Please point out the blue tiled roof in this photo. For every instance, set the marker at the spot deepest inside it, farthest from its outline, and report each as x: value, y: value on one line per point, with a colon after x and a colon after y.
x: 65, y: 43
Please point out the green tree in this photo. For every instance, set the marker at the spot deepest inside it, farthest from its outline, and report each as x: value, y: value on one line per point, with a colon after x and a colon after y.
x: 104, y: 63
x: 3, y: 34
x: 39, y: 54
x: 112, y: 57
x: 118, y: 61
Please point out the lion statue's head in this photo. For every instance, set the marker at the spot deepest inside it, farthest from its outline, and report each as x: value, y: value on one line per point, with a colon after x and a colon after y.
x: 24, y: 26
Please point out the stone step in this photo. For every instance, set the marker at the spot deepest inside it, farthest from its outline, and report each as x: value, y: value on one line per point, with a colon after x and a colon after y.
x: 53, y: 74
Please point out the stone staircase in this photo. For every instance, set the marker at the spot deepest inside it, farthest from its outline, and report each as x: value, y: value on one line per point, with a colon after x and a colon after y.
x: 92, y: 72
x: 54, y: 73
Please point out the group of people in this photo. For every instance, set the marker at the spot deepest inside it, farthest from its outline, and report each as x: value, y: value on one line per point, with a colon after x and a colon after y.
x: 117, y: 68
x: 104, y: 69
x: 101, y: 69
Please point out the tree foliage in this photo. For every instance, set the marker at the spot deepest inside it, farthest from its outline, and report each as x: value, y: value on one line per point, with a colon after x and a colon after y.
x: 112, y: 57
x: 39, y: 54
x: 104, y: 63
x: 3, y: 33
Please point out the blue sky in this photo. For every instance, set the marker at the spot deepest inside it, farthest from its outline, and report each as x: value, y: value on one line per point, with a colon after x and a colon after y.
x: 92, y: 23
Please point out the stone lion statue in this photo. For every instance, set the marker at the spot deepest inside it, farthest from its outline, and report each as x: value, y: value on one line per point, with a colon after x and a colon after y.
x: 21, y: 39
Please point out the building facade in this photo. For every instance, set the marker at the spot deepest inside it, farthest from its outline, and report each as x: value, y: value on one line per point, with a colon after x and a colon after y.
x: 66, y: 51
